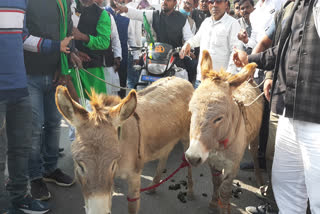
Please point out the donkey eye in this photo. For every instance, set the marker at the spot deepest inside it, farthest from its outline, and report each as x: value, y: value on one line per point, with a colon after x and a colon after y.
x: 218, y: 120
x: 113, y: 166
x: 81, y: 167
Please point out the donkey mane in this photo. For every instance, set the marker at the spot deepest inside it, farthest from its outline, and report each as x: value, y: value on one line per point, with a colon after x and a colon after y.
x: 101, y: 104
x: 222, y: 75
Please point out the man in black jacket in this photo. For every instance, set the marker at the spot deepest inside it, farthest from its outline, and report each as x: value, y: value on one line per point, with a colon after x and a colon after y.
x: 295, y: 96
x: 170, y: 26
x: 49, y: 24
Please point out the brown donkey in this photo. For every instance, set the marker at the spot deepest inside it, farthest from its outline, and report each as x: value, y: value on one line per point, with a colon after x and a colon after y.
x: 119, y: 136
x: 222, y: 127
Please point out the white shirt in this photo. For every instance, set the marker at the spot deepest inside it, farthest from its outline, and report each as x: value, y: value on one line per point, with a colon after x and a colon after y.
x: 138, y: 15
x: 115, y: 41
x: 261, y: 19
x: 219, y: 38
x: 137, y: 25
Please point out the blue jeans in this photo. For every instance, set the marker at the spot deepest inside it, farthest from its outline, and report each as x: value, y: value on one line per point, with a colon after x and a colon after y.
x: 16, y: 119
x: 133, y: 74
x: 196, y: 84
x: 45, y: 126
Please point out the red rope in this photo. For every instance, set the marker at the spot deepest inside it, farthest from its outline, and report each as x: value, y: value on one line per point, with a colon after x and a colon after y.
x: 224, y: 142
x: 182, y: 165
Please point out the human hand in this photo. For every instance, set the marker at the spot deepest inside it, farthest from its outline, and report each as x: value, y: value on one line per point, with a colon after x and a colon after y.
x: 240, y: 58
x: 120, y: 8
x: 185, y: 50
x: 60, y: 79
x: 243, y: 36
x: 116, y: 65
x: 83, y: 56
x: 76, y: 61
x: 266, y: 88
x: 135, y: 61
x: 64, y: 45
x: 192, y: 55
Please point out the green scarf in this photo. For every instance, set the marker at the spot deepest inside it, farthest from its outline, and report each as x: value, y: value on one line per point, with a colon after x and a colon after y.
x: 148, y: 29
x: 63, y: 33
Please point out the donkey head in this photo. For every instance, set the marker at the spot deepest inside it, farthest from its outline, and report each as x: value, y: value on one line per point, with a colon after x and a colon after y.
x: 212, y: 109
x: 96, y: 149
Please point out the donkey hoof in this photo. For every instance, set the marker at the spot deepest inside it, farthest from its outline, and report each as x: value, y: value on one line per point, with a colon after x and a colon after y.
x: 213, y: 210
x: 151, y: 191
x: 213, y: 205
x: 190, y: 196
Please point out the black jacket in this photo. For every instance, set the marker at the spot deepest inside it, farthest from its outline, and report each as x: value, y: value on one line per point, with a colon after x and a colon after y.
x: 43, y: 20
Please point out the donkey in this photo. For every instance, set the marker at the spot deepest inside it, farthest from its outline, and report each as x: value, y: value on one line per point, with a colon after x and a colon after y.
x: 222, y: 126
x: 119, y: 136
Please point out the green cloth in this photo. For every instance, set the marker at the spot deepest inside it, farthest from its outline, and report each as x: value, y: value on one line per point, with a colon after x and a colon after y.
x: 99, y: 42
x: 148, y: 29
x: 63, y: 33
x: 89, y: 82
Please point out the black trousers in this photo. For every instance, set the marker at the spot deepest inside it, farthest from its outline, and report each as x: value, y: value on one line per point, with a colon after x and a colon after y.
x: 123, y: 76
x: 264, y: 130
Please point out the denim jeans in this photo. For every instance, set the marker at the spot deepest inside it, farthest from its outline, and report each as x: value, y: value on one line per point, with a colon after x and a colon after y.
x: 16, y: 115
x: 45, y: 126
x: 196, y: 84
x: 133, y: 74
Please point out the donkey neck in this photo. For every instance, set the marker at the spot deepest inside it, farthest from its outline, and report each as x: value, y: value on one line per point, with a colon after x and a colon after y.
x: 237, y: 121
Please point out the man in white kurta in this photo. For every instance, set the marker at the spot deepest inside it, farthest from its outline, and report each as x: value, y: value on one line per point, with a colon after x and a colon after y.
x: 218, y: 35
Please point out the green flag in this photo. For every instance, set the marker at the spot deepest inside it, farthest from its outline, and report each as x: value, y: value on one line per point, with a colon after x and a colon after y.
x: 148, y: 28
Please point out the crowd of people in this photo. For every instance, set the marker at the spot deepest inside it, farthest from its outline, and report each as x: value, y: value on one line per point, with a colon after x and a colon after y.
x: 79, y: 43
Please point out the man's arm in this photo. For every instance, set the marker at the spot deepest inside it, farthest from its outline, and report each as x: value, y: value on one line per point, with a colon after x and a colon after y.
x: 135, y: 14
x: 102, y: 40
x: 266, y: 41
x: 195, y: 40
x: 265, y: 60
x: 42, y: 45
x: 115, y: 41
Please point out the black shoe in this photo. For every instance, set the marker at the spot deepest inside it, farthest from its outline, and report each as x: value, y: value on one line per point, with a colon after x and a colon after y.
x: 262, y: 209
x: 247, y: 166
x: 30, y: 205
x: 39, y: 190
x: 61, y: 150
x: 59, y: 178
x: 250, y: 166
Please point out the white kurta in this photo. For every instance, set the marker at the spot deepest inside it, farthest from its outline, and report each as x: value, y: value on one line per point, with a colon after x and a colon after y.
x: 220, y: 39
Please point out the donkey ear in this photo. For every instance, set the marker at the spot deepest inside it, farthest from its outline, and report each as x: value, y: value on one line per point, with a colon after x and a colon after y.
x: 243, y: 75
x: 206, y: 65
x: 74, y: 113
x: 126, y: 108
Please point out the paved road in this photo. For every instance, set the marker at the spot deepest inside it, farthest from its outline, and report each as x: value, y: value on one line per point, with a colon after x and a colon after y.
x: 165, y: 201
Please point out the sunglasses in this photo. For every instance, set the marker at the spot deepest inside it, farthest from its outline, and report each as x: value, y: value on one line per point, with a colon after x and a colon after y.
x: 215, y: 1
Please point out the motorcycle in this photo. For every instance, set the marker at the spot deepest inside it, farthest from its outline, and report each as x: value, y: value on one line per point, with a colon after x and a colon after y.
x: 158, y: 61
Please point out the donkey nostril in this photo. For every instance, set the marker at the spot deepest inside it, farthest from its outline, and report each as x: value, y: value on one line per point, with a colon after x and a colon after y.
x: 198, y: 161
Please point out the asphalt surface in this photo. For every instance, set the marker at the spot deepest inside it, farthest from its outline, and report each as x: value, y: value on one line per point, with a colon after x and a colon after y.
x: 68, y: 200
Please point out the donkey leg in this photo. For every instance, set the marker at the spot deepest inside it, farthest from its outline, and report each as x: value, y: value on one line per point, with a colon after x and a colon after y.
x: 134, y: 183
x: 225, y: 193
x: 161, y: 166
x: 190, y: 193
x: 253, y: 148
x: 216, y: 181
